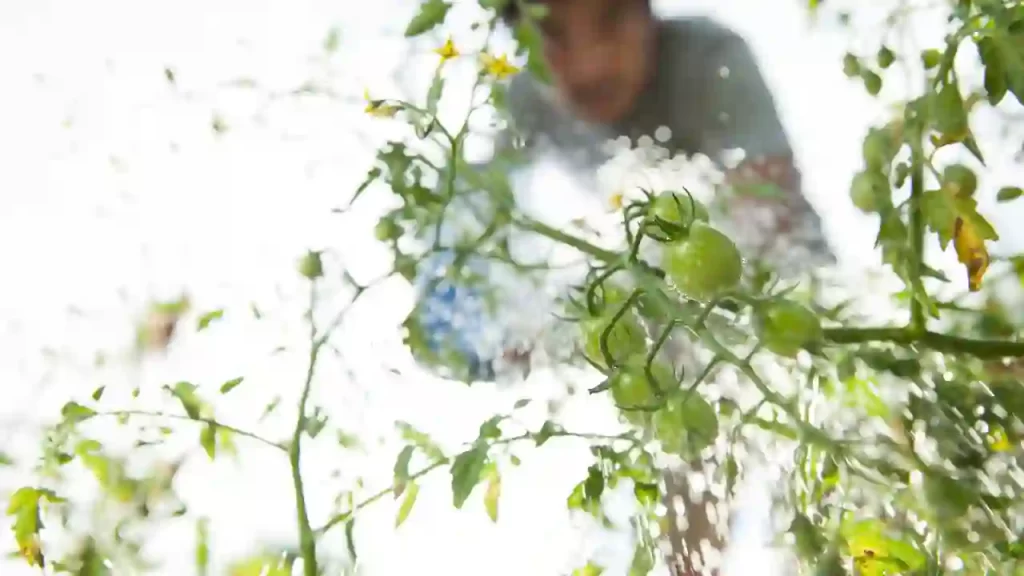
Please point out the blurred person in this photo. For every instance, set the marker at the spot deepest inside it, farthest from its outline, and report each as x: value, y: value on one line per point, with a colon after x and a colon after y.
x: 619, y: 70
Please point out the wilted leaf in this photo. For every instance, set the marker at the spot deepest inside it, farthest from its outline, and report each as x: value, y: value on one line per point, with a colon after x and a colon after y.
x: 971, y: 252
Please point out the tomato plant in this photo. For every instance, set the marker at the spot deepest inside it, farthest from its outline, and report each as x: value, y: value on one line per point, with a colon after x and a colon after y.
x: 898, y: 442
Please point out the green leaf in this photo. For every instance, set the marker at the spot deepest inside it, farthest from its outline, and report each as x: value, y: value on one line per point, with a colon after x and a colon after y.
x: 332, y: 41
x: 528, y: 39
x: 402, y: 469
x: 231, y: 384
x: 435, y: 91
x: 97, y: 394
x: 940, y: 213
x: 593, y: 486
x: 205, y: 320
x: 421, y: 440
x: 546, y: 431
x: 949, y: 112
x: 810, y: 542
x: 202, y: 546
x: 185, y: 392
x: 431, y: 14
x: 412, y: 490
x: 350, y: 539
x: 5, y: 459
x: 646, y: 493
x: 466, y: 471
x: 590, y: 569
x: 493, y: 493
x: 522, y: 403
x: 995, y: 70
x: 490, y: 429
x: 643, y: 560
x: 1009, y: 193
x: 74, y: 413
x: 208, y: 439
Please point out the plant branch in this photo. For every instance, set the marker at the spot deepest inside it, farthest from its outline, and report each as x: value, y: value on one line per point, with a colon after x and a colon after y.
x: 978, y: 348
x: 918, y: 321
x: 307, y: 539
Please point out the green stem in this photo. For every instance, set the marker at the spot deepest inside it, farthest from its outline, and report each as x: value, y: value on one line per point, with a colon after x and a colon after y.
x: 568, y: 239
x: 918, y: 320
x: 932, y: 340
x: 307, y: 538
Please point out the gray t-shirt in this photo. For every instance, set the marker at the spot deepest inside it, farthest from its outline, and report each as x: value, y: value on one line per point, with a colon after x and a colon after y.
x: 709, y: 92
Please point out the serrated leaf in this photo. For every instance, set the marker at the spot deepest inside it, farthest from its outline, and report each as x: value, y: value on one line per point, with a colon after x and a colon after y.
x: 401, y: 469
x: 431, y: 14
x: 465, y: 472
x: 206, y: 319
x: 231, y: 384
x: 493, y: 494
x: 412, y: 490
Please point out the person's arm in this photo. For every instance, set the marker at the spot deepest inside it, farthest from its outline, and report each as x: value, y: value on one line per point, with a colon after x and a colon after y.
x: 769, y: 210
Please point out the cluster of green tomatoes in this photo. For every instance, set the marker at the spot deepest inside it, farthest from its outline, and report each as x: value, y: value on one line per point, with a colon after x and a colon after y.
x: 700, y: 265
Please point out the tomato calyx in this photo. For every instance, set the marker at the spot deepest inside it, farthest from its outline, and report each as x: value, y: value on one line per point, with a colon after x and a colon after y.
x: 669, y: 215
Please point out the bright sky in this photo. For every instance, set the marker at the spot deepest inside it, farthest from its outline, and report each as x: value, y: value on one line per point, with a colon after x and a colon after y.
x: 115, y: 190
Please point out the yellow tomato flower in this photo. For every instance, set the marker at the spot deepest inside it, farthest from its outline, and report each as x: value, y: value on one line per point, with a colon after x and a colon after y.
x: 447, y: 51
x: 498, y: 66
x: 615, y: 202
x: 379, y: 108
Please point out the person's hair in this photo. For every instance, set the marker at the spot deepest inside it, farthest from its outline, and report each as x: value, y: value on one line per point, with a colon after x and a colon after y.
x: 510, y: 13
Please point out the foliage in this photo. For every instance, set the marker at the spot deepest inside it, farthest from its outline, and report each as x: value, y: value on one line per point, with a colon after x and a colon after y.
x: 903, y: 434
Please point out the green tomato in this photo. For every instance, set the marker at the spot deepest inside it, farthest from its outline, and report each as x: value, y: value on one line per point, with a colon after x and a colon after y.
x: 786, y: 328
x: 704, y: 265
x: 865, y: 191
x: 960, y: 180
x: 676, y: 209
x: 686, y: 425
x: 631, y: 387
x: 311, y: 266
x: 627, y: 337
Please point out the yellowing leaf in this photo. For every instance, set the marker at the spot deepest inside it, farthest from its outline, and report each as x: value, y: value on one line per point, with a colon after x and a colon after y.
x: 971, y: 252
x: 412, y: 490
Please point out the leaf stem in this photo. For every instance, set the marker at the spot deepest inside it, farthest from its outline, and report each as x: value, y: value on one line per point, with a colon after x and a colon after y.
x: 918, y: 321
x: 211, y: 421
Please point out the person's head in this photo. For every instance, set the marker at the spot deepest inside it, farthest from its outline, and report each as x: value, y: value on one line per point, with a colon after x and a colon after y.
x: 598, y: 51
